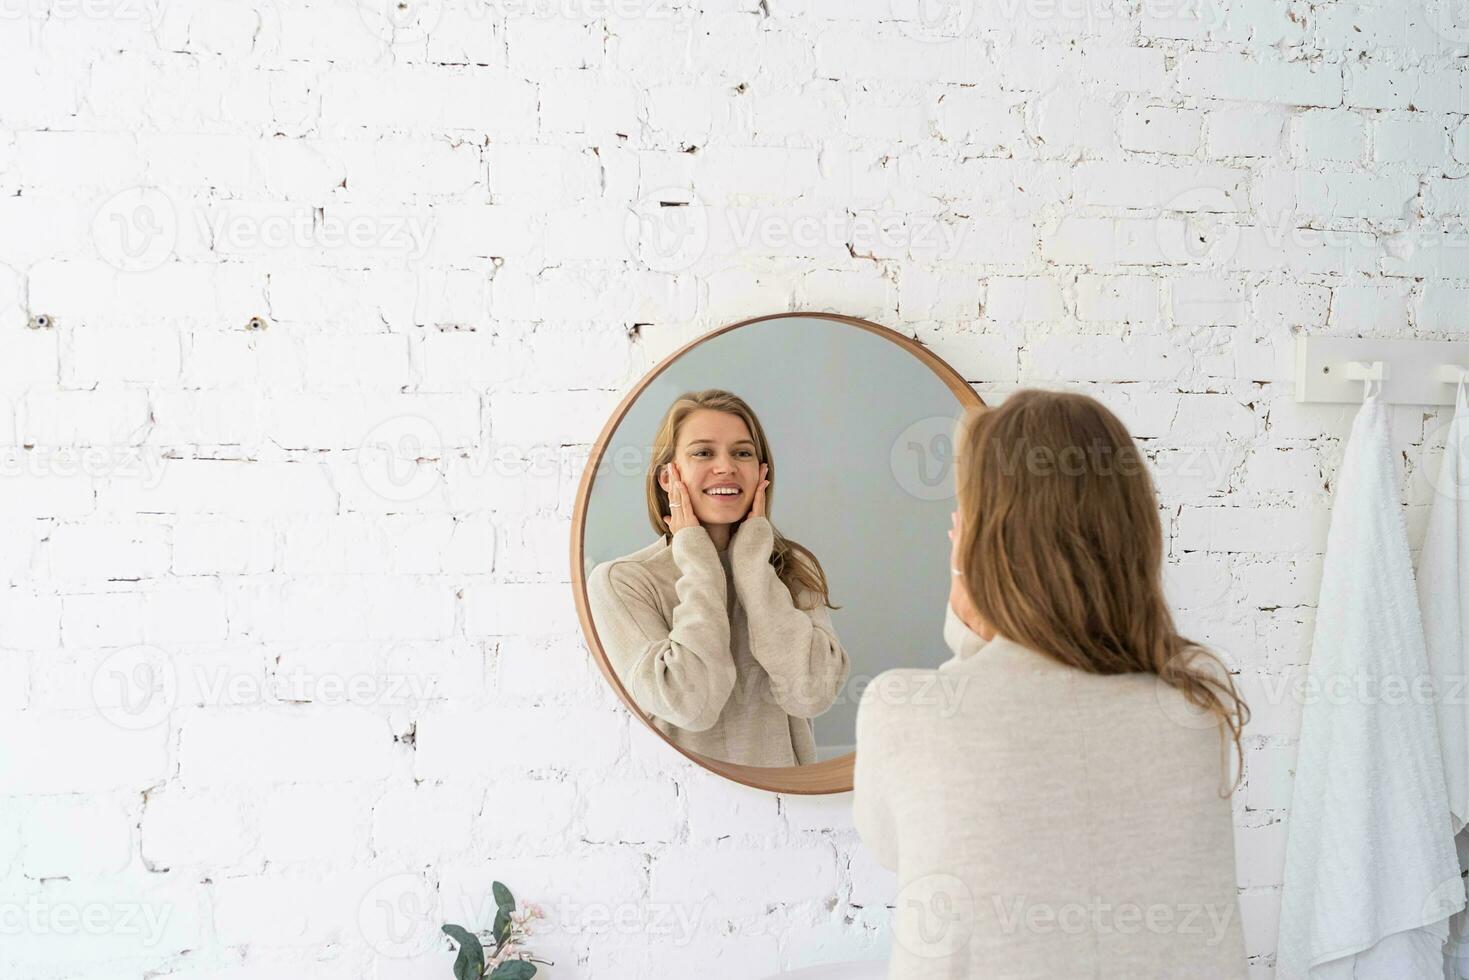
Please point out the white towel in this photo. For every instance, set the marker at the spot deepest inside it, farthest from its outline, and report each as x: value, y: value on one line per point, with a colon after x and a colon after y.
x: 1443, y: 593
x: 1371, y: 875
x: 1443, y: 590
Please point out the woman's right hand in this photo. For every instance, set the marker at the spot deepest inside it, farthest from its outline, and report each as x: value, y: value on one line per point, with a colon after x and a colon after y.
x: 680, y: 507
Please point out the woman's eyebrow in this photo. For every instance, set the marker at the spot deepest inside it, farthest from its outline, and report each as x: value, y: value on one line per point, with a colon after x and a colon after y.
x: 737, y: 442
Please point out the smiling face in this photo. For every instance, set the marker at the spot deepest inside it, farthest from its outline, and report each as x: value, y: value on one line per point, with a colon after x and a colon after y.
x: 716, y: 457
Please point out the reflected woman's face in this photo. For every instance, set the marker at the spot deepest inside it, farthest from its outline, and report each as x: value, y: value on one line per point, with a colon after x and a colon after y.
x: 715, y: 450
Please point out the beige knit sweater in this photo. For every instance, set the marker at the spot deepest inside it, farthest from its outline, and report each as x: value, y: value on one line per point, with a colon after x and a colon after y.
x: 712, y: 648
x: 1046, y: 822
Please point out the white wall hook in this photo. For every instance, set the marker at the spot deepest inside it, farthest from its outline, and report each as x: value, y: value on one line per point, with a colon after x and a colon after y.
x: 1453, y: 374
x: 1367, y: 370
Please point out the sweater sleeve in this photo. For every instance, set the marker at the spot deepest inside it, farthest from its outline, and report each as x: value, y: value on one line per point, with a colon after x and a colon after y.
x: 681, y: 672
x: 871, y: 814
x: 798, y: 648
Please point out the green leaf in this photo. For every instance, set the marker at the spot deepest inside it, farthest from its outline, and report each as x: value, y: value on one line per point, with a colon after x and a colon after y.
x: 503, y: 898
x: 470, y: 963
x: 502, y: 927
x: 514, y: 970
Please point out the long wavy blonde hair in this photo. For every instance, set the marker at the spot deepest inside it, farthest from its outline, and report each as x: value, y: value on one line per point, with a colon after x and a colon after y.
x: 794, y: 564
x: 1062, y: 548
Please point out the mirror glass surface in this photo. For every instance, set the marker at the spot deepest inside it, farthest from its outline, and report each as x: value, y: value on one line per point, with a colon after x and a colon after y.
x: 858, y: 429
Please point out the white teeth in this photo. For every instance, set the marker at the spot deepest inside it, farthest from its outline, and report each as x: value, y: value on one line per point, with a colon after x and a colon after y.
x: 718, y: 492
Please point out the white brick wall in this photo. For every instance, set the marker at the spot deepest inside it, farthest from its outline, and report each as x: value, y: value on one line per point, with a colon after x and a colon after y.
x: 289, y: 669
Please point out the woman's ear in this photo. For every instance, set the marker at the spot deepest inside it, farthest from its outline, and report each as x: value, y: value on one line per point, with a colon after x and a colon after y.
x: 664, y: 480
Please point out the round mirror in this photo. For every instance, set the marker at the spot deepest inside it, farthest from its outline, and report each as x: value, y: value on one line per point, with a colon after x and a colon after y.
x: 762, y: 527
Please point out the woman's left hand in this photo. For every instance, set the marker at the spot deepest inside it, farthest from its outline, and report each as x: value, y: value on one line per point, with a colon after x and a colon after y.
x: 757, y: 508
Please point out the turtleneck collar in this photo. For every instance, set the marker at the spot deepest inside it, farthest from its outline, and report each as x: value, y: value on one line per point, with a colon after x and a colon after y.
x: 962, y: 641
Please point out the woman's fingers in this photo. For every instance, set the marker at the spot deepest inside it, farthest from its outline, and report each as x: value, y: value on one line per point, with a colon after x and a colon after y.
x: 674, y: 520
x: 678, y: 500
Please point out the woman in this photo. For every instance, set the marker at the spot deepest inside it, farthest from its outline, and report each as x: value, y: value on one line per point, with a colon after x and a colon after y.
x: 1052, y: 797
x: 719, y: 630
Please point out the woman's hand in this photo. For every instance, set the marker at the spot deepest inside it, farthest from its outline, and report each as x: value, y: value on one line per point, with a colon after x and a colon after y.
x: 959, y: 600
x: 681, y: 508
x: 757, y: 509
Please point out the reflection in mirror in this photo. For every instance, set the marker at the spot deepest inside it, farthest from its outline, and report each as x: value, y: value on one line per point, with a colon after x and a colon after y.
x: 720, y: 629
x: 767, y: 530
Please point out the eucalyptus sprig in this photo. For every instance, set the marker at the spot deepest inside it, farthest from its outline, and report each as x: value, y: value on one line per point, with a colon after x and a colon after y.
x: 509, y: 961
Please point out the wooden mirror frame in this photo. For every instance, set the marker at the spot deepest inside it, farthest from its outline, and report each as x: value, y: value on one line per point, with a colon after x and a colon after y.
x: 832, y: 775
